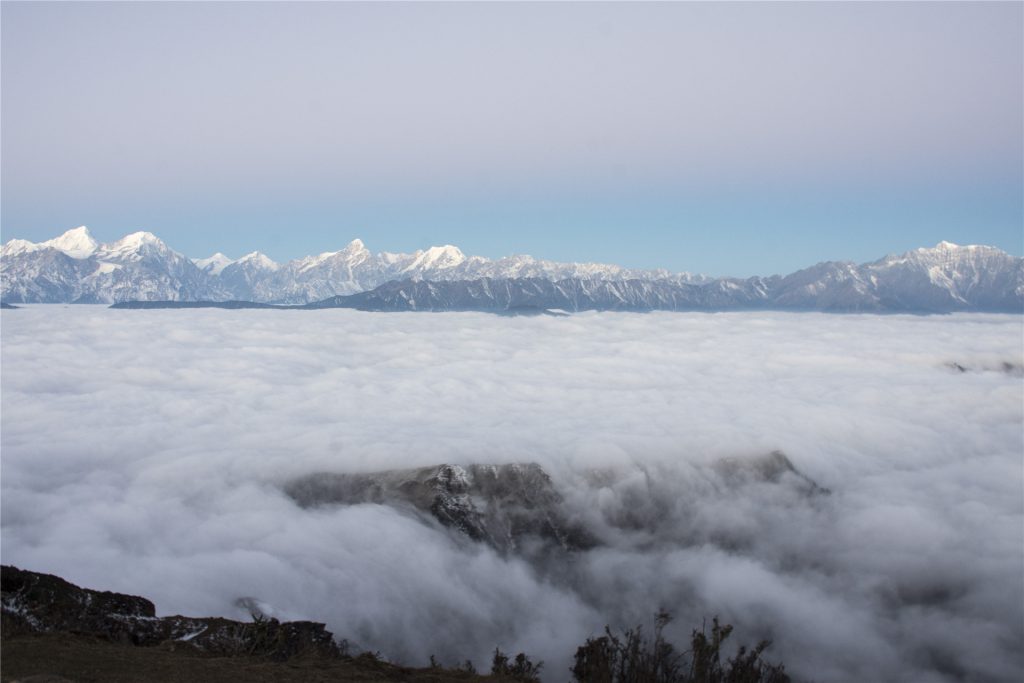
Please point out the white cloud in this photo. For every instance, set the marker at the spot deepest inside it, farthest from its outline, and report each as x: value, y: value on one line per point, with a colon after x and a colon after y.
x: 143, y: 451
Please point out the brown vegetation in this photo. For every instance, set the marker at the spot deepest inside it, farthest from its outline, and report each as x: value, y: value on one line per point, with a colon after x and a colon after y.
x: 632, y: 659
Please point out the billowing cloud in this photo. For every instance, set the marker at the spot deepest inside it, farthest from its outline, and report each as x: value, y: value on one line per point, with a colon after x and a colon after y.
x: 145, y: 452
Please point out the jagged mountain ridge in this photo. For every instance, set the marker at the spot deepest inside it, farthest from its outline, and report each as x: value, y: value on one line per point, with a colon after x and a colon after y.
x: 75, y: 268
x: 520, y: 294
x: 945, y: 279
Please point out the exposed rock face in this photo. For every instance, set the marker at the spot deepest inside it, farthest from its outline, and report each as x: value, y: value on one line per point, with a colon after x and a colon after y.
x: 504, y: 506
x: 36, y: 602
x: 1007, y: 367
x: 772, y: 468
x: 229, y: 305
x: 487, y: 294
x: 49, y: 603
x: 516, y: 509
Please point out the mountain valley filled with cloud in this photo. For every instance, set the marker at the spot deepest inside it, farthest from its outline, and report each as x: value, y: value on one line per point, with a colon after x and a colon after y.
x: 847, y: 486
x: 712, y: 310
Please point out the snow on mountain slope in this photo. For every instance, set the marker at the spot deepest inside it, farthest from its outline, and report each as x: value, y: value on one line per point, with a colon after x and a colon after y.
x: 241, y: 277
x: 76, y: 243
x: 135, y: 247
x: 256, y: 277
x: 74, y: 268
x: 42, y: 275
x: 435, y: 258
x: 352, y: 269
x: 258, y: 261
x: 213, y: 265
x: 139, y: 266
x: 16, y: 246
x: 520, y: 295
x: 950, y: 277
x: 944, y: 279
x: 827, y: 286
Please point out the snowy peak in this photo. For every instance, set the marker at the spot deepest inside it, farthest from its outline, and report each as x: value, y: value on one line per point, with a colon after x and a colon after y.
x: 355, y: 252
x: 138, y: 239
x: 946, y: 255
x: 446, y: 256
x: 76, y: 243
x: 945, y: 247
x: 258, y: 261
x: 74, y: 268
x: 354, y: 249
x: 17, y: 246
x: 136, y: 243
x: 213, y: 265
x: 135, y: 247
x: 947, y: 250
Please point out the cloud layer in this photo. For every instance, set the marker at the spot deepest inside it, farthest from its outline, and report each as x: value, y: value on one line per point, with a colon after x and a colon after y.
x: 144, y: 451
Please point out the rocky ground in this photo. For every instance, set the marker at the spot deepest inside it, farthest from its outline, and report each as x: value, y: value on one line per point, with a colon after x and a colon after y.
x: 62, y: 657
x: 54, y: 632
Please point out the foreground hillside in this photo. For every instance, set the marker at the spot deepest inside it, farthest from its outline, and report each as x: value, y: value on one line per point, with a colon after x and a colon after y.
x: 60, y: 657
x: 54, y: 631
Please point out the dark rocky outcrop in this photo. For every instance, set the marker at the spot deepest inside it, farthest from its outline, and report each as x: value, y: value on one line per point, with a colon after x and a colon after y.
x: 230, y: 305
x: 515, y: 508
x: 42, y: 603
x: 773, y: 468
x: 504, y: 506
x: 1014, y: 369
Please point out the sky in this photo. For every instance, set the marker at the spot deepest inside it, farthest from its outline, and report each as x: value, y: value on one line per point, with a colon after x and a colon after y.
x: 148, y: 452
x: 727, y: 139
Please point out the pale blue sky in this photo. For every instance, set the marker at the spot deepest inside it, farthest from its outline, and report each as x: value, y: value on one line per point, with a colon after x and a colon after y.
x: 720, y: 138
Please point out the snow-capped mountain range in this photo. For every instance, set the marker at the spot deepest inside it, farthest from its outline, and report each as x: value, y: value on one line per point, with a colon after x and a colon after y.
x: 75, y: 268
x: 890, y: 284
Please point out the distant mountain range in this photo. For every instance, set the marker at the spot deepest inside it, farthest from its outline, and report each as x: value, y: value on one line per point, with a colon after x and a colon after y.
x: 74, y: 268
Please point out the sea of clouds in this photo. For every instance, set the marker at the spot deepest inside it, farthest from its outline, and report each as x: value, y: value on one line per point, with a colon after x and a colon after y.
x: 145, y: 451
